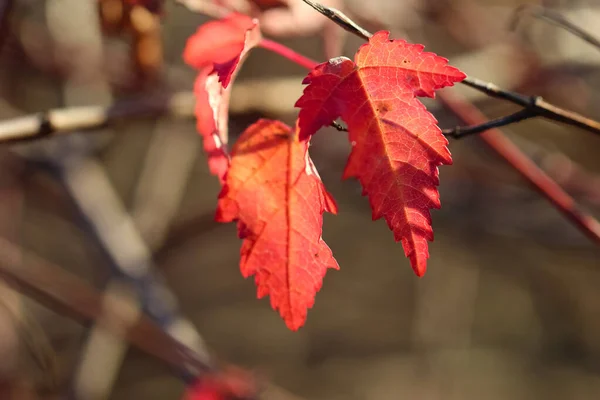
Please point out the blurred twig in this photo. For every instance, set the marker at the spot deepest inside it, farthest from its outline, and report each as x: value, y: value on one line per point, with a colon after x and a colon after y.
x: 60, y: 290
x: 163, y: 180
x: 496, y: 139
x: 66, y: 120
x: 64, y: 292
x: 116, y: 230
x: 554, y: 18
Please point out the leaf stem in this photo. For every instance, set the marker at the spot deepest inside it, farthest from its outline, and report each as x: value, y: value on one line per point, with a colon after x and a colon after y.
x: 296, y: 58
x: 288, y: 53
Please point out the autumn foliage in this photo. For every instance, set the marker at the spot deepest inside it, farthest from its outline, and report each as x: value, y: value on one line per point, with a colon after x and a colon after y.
x: 275, y: 193
x: 396, y: 143
x: 270, y: 186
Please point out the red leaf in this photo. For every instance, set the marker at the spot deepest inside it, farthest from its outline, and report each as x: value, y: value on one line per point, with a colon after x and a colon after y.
x: 397, y: 145
x: 211, y: 109
x: 275, y: 193
x: 222, y: 43
x: 217, y: 50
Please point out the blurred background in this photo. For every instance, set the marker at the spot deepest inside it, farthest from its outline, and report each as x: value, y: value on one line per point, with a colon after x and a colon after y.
x: 509, y: 307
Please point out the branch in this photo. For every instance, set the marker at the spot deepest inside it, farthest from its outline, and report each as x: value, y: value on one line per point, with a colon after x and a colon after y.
x: 341, y: 19
x: 71, y: 296
x: 502, y: 145
x: 536, y: 106
x: 66, y: 120
x: 461, y: 131
x: 554, y: 18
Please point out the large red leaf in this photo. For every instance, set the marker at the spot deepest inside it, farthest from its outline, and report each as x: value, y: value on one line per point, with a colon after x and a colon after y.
x: 396, y: 143
x: 217, y: 50
x: 275, y: 193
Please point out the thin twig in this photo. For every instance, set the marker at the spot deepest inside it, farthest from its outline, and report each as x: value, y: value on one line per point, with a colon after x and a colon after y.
x: 554, y: 18
x: 535, y: 105
x: 462, y: 131
x: 525, y: 166
x: 339, y: 126
x: 510, y: 152
x: 341, y: 19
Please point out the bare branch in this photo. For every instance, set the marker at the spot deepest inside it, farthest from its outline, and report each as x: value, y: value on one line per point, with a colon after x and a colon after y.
x: 341, y: 19
x: 66, y: 120
x: 64, y: 292
x: 60, y: 290
x: 339, y: 126
x: 461, y: 131
x: 535, y: 105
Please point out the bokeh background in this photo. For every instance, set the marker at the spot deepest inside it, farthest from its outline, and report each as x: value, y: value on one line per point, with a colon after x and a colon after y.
x: 509, y: 307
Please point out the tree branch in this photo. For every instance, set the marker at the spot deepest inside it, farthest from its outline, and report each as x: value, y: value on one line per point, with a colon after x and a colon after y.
x: 535, y: 104
x: 68, y: 294
x: 461, y: 131
x: 58, y: 289
x: 341, y: 19
x: 66, y: 120
x: 504, y: 147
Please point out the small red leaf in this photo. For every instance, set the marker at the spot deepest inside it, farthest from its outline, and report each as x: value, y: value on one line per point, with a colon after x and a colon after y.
x: 221, y: 43
x: 217, y: 50
x: 397, y: 145
x: 211, y: 109
x: 275, y: 193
